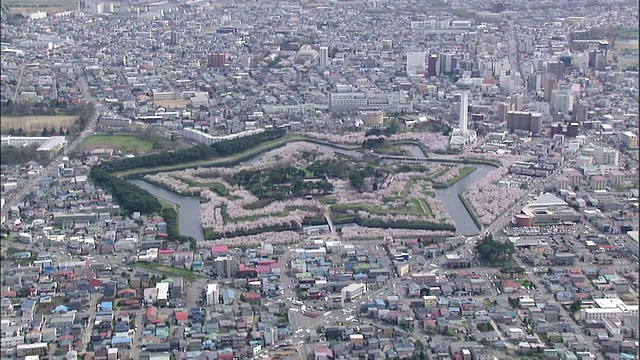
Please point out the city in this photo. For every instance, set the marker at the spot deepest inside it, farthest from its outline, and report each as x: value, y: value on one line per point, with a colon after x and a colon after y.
x: 319, y: 180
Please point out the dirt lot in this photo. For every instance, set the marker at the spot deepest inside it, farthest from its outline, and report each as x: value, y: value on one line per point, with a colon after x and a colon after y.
x: 171, y: 104
x: 36, y: 122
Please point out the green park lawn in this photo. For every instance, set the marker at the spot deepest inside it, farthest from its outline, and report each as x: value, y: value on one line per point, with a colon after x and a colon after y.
x: 124, y: 143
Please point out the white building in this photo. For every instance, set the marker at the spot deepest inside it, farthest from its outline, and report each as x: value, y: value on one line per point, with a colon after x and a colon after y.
x: 607, y: 309
x: 208, y: 139
x: 324, y: 57
x: 212, y: 294
x: 352, y: 291
x: 354, y: 101
x: 604, y: 156
x: 163, y: 293
x: 52, y: 146
x: 416, y: 62
x: 630, y: 139
x: 562, y: 101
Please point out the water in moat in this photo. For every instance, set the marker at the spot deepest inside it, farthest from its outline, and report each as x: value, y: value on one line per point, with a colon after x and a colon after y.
x: 189, y: 207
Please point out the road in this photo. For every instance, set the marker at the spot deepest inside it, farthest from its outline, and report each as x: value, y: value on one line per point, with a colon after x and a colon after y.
x: 32, y: 184
x: 500, y: 223
x: 92, y: 317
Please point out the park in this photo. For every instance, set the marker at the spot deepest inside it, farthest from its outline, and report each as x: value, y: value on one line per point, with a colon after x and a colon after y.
x: 302, y: 183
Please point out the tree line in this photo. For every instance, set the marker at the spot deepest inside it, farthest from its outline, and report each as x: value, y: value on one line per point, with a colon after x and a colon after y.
x: 195, y: 153
x: 130, y: 197
x: 170, y: 216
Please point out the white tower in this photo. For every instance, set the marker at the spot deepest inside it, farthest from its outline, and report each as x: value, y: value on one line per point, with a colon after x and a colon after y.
x: 324, y: 57
x: 464, y: 109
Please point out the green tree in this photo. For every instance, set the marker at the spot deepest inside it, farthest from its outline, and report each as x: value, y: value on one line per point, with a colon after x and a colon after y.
x: 575, y: 306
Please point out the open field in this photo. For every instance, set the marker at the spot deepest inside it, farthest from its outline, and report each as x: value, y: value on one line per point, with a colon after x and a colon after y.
x: 124, y: 143
x: 32, y: 6
x: 171, y: 104
x: 36, y: 123
x: 169, y: 271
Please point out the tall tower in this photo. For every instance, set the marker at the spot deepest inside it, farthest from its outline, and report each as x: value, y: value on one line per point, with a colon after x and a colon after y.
x: 324, y: 57
x: 464, y: 109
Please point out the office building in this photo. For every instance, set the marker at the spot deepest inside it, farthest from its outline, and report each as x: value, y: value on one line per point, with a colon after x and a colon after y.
x: 525, y: 121
x: 550, y: 83
x: 432, y: 65
x: 502, y: 111
x: 216, y: 60
x: 416, y: 63
x: 447, y: 64
x: 562, y: 101
x: 324, y: 57
x: 556, y: 68
x: 352, y: 291
x: 517, y: 102
x: 604, y: 156
x: 580, y: 112
x: 629, y: 139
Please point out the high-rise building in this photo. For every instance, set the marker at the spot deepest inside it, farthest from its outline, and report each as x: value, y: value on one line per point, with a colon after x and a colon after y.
x: 447, y: 64
x: 556, y: 68
x: 550, y: 84
x: 416, y: 62
x: 324, y: 57
x: 502, y: 110
x: 216, y: 60
x: 562, y: 101
x: 526, y: 121
x: 517, y: 102
x: 212, y: 294
x: 580, y: 112
x: 432, y: 65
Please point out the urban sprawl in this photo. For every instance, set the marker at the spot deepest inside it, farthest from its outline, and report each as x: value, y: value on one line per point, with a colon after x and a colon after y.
x: 326, y: 180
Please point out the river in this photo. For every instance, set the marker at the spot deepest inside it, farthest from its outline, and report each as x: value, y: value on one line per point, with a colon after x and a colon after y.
x: 189, y: 207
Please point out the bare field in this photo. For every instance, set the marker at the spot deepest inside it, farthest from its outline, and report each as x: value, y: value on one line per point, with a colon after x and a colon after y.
x: 171, y: 104
x: 36, y: 122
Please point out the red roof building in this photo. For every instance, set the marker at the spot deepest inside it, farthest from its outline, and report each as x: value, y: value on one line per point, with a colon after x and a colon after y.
x: 181, y: 316
x: 152, y: 313
x: 219, y: 250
